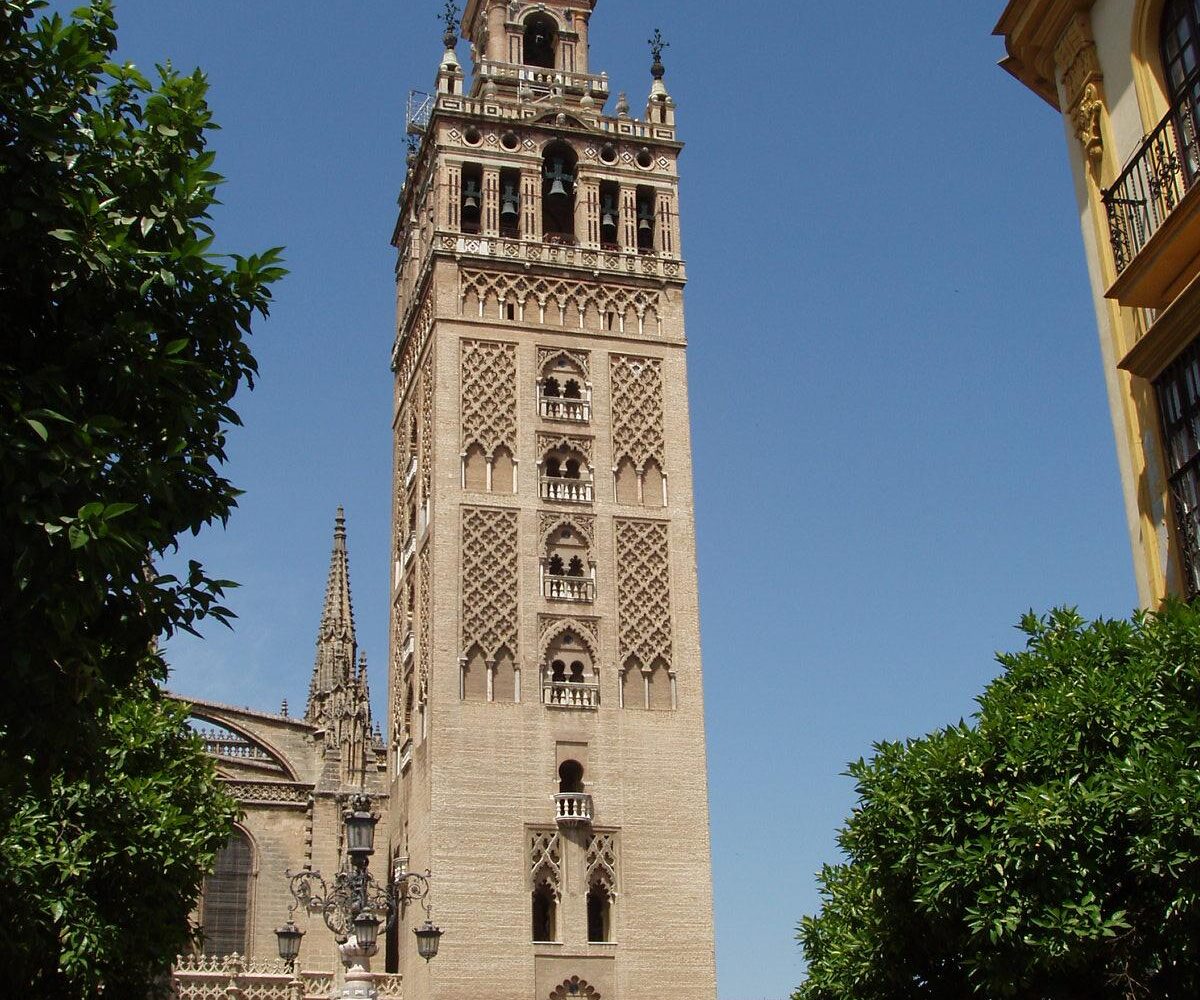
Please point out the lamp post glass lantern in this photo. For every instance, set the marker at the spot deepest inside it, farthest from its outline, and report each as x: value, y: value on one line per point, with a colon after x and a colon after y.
x: 428, y: 937
x: 288, y: 938
x: 360, y: 828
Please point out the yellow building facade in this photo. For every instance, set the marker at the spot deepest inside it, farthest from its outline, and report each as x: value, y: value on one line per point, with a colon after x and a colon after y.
x: 1125, y: 76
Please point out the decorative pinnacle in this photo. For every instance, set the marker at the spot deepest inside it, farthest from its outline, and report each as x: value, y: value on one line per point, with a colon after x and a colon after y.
x: 339, y: 526
x: 657, y: 43
x: 449, y: 17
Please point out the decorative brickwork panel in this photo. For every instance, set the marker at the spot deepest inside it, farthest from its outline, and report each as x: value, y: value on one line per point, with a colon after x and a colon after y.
x: 579, y: 358
x: 489, y: 580
x: 602, y: 861
x: 489, y: 396
x: 559, y: 302
x: 575, y: 989
x: 273, y: 792
x: 408, y: 350
x: 551, y: 521
x: 643, y: 592
x: 637, y: 410
x: 545, y: 860
x: 427, y: 427
x: 565, y: 442
x: 424, y: 614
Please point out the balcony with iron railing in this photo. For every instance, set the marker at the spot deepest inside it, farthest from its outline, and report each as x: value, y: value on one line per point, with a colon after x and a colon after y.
x: 1153, y: 211
x: 577, y: 411
x: 571, y: 694
x: 566, y: 490
x: 556, y: 587
x: 573, y: 808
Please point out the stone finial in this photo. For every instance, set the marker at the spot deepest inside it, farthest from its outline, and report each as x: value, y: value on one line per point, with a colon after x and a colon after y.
x: 283, y: 708
x: 622, y: 105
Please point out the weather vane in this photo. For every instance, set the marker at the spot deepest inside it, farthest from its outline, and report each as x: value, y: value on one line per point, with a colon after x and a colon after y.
x: 657, y: 43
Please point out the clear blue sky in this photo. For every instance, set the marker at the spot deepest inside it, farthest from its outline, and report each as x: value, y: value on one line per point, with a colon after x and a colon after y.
x: 901, y: 437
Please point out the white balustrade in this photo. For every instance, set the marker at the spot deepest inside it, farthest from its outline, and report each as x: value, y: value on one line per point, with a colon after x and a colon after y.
x: 410, y: 474
x: 410, y: 549
x: 572, y: 808
x: 560, y: 408
x: 566, y: 490
x: 568, y: 588
x: 571, y: 694
x: 408, y: 648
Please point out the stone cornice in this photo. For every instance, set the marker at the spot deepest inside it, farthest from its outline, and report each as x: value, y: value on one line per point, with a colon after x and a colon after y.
x: 1031, y: 30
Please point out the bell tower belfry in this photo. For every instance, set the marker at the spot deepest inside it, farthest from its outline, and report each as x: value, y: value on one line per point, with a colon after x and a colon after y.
x: 546, y: 734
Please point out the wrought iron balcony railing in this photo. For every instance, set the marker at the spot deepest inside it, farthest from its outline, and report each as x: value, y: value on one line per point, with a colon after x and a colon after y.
x: 572, y: 808
x: 1162, y: 170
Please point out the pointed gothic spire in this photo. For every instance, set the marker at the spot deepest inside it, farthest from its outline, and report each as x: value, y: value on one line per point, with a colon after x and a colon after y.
x: 336, y: 642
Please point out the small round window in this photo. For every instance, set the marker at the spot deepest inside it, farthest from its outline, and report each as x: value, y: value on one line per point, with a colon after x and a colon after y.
x: 644, y: 159
x: 472, y: 136
x: 608, y: 153
x: 509, y: 141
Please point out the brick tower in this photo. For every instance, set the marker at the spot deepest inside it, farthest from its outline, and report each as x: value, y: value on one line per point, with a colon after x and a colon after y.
x: 546, y: 708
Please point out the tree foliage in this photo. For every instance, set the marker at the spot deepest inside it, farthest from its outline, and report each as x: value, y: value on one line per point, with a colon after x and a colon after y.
x: 124, y: 341
x: 1048, y: 849
x: 124, y: 344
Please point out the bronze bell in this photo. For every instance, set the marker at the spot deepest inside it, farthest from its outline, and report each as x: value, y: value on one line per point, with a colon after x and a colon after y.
x: 645, y: 218
x: 508, y: 203
x: 471, y: 196
x: 556, y: 175
x: 608, y: 217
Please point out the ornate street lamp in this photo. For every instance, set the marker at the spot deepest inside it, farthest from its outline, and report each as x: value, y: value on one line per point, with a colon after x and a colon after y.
x: 354, y: 905
x: 288, y: 937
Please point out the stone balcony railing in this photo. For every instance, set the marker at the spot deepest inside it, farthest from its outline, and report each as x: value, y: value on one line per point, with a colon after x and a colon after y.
x: 566, y: 490
x: 410, y: 473
x: 231, y: 977
x: 559, y: 408
x: 404, y: 757
x: 410, y: 549
x: 540, y: 78
x: 572, y: 808
x: 626, y: 261
x: 568, y: 588
x: 571, y: 694
x: 408, y: 648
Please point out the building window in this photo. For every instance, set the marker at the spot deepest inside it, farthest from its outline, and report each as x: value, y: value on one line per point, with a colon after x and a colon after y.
x: 545, y: 907
x: 226, y: 898
x: 599, y: 913
x: 1178, y: 390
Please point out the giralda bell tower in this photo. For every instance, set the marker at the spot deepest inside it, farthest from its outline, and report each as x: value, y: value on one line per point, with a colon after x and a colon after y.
x: 546, y: 706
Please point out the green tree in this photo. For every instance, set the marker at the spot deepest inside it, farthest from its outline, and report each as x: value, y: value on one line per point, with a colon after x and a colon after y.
x: 124, y: 342
x: 1048, y: 849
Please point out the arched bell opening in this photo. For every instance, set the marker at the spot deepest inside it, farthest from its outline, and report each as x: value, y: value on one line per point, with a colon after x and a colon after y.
x: 541, y: 41
x: 558, y: 193
x: 510, y: 203
x: 610, y: 215
x: 645, y: 219
x: 470, y: 202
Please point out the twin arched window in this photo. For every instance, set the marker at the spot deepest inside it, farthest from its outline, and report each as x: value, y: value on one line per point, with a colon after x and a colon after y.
x: 1180, y: 47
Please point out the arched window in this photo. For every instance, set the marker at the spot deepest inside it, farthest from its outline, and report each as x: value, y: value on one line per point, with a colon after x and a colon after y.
x: 553, y: 467
x: 541, y: 41
x: 599, y: 912
x: 555, y: 566
x: 1180, y: 49
x: 571, y: 390
x: 574, y: 567
x: 550, y: 387
x: 225, y: 909
x: 1180, y: 42
x: 570, y: 776
x: 544, y: 912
